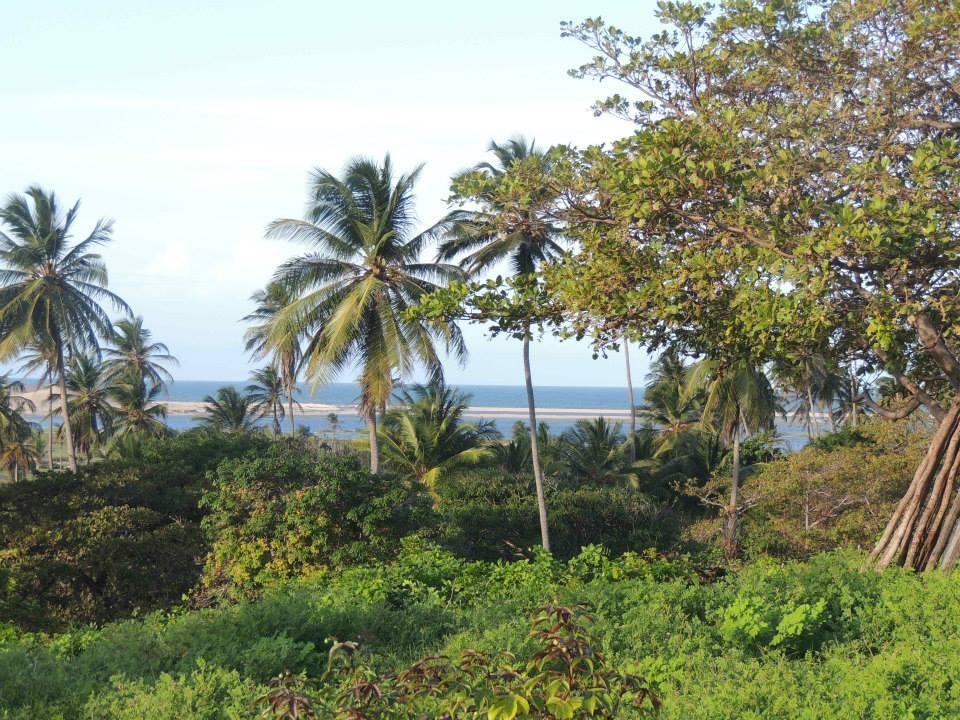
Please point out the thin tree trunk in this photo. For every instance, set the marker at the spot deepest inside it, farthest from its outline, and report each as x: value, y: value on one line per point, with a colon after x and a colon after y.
x: 813, y: 413
x: 276, y: 422
x: 730, y: 520
x: 50, y: 423
x: 64, y: 409
x: 374, y: 442
x: 633, y: 405
x: 535, y: 446
x: 854, y: 394
x: 293, y: 427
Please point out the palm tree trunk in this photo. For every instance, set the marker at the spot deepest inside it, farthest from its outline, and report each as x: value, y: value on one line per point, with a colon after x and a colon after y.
x: 535, y: 447
x: 813, y: 414
x: 730, y: 519
x: 374, y: 442
x: 50, y: 413
x: 854, y: 392
x: 276, y: 422
x: 633, y: 405
x: 64, y: 409
x: 293, y: 427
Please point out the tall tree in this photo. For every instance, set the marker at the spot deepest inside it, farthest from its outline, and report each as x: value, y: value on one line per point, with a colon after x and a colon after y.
x: 364, y: 270
x: 230, y: 411
x: 425, y: 435
x: 138, y: 413
x: 791, y: 183
x: 739, y: 398
x: 51, y: 290
x: 88, y: 402
x: 132, y: 350
x: 509, y: 229
x: 277, y: 336
x: 43, y: 359
x: 268, y: 393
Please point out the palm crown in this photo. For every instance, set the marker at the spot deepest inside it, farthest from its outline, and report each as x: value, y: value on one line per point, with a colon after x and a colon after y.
x: 364, y: 269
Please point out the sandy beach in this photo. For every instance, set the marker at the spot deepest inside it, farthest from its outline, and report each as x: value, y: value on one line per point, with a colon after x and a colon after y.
x: 182, y: 408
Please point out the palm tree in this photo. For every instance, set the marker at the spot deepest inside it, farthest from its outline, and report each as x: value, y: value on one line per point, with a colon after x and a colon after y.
x: 16, y: 446
x: 268, y: 392
x: 597, y: 452
x: 43, y: 359
x: 425, y: 436
x: 363, y: 273
x: 526, y: 241
x: 739, y: 398
x: 18, y: 452
x: 230, y: 412
x: 137, y: 411
x: 132, y: 350
x: 50, y: 291
x: 669, y: 406
x: 279, y: 342
x: 88, y: 400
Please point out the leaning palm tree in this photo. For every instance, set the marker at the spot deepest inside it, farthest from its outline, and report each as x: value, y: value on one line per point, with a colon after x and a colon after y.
x: 51, y: 290
x: 268, y: 393
x: 229, y: 411
x: 132, y: 350
x: 526, y: 241
x: 425, y: 436
x: 739, y: 398
x: 277, y: 336
x: 88, y: 401
x: 363, y: 272
x: 137, y: 411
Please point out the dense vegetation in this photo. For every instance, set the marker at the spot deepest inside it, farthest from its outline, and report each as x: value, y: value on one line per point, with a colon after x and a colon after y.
x: 781, y: 226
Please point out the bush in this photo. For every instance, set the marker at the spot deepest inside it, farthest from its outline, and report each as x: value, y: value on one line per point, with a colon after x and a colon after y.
x: 818, y: 499
x: 115, y: 538
x: 490, y: 514
x: 292, y: 511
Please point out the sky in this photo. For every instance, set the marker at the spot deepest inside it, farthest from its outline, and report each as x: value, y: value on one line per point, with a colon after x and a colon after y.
x: 193, y: 124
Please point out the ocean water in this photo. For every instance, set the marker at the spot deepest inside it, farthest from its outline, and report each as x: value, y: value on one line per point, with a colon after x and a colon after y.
x: 506, y: 396
x: 513, y: 396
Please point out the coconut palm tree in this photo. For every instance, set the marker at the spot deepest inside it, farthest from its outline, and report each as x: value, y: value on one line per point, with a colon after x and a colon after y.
x: 739, y: 398
x: 425, y: 435
x: 363, y: 271
x: 43, y: 359
x: 88, y: 400
x: 132, y: 350
x: 268, y: 393
x: 230, y: 411
x: 137, y: 412
x: 669, y: 407
x: 18, y: 452
x: 526, y: 241
x: 51, y: 290
x: 281, y: 343
x: 598, y: 453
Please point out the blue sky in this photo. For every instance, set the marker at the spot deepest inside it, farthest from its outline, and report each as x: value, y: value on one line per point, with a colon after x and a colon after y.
x: 193, y: 124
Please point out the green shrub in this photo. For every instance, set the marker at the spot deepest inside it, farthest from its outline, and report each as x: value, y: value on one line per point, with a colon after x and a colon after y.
x: 115, y: 538
x: 292, y: 511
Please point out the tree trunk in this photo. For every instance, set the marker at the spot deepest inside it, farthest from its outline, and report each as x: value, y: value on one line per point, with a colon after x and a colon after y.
x: 854, y: 395
x: 535, y: 447
x: 731, y: 515
x: 633, y: 406
x: 293, y: 427
x: 50, y: 423
x: 374, y: 442
x: 276, y: 423
x: 924, y: 532
x: 64, y: 409
x: 813, y: 413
